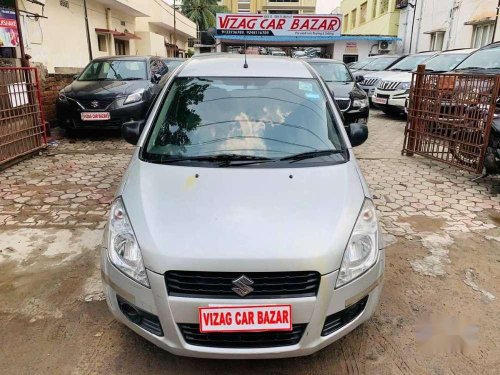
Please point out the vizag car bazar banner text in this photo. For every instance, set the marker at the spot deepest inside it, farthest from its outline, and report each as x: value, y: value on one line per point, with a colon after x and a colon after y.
x: 279, y: 24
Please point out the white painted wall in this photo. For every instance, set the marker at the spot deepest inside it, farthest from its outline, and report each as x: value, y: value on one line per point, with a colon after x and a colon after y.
x: 61, y: 41
x: 450, y: 15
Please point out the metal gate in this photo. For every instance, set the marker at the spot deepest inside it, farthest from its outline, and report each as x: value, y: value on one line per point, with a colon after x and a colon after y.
x: 450, y: 117
x: 22, y: 124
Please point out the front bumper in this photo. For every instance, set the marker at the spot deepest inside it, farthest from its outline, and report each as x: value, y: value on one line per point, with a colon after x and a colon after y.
x: 172, y: 311
x: 356, y: 115
x: 69, y: 115
x: 370, y: 90
x: 394, y: 99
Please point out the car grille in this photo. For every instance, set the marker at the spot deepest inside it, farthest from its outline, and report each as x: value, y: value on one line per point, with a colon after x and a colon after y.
x: 338, y: 320
x: 388, y: 85
x: 101, y: 103
x: 242, y: 340
x: 343, y: 104
x: 113, y: 123
x: 370, y: 82
x: 220, y: 284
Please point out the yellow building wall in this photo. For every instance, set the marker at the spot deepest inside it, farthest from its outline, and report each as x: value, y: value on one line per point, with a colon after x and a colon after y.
x: 304, y: 6
x: 377, y: 22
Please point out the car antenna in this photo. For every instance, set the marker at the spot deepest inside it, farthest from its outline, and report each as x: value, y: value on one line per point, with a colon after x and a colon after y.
x: 245, y: 65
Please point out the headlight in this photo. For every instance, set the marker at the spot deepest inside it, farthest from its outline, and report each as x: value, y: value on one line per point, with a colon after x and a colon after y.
x: 360, y: 103
x: 134, y: 97
x: 362, y: 249
x: 62, y: 97
x: 403, y: 86
x: 123, y: 248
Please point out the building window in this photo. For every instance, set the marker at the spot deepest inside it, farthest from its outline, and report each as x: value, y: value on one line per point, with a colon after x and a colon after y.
x: 121, y: 47
x: 353, y: 18
x: 346, y: 22
x: 362, y: 13
x: 482, y: 34
x: 437, y: 39
x: 385, y: 7
x: 374, y: 8
x: 102, y: 43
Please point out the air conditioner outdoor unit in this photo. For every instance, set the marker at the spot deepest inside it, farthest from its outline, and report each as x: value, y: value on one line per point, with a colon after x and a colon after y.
x: 384, y: 45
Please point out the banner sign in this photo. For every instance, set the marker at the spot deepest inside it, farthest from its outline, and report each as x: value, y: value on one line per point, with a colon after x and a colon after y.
x: 279, y: 24
x: 9, y: 36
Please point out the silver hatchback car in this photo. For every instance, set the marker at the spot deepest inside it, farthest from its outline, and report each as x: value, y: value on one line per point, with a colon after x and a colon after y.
x: 243, y: 227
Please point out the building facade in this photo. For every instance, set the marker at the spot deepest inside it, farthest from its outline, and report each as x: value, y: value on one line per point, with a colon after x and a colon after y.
x: 370, y: 17
x: 57, y: 37
x: 270, y: 6
x: 454, y: 24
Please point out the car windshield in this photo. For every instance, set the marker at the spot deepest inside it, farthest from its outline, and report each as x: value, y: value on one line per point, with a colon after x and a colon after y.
x: 445, y: 62
x: 114, y: 70
x: 361, y: 64
x: 332, y: 72
x: 382, y: 63
x: 409, y: 63
x: 488, y: 58
x: 252, y: 117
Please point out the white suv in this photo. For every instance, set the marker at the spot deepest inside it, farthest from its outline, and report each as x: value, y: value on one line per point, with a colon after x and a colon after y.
x: 392, y: 92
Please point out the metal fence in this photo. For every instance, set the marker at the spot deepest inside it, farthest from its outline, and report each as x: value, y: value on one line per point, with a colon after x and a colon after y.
x: 450, y: 117
x: 22, y: 124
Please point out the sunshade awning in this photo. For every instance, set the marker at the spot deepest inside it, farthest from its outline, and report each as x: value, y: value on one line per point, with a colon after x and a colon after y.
x: 117, y: 34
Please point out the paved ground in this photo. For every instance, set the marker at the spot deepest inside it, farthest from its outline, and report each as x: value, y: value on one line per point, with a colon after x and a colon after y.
x: 443, y: 270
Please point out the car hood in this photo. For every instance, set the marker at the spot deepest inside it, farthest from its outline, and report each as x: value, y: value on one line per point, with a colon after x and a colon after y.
x: 83, y: 89
x: 345, y: 90
x: 399, y: 77
x: 384, y: 74
x: 242, y: 219
x: 340, y: 89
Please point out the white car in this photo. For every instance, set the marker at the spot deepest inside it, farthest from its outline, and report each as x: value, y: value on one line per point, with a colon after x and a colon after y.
x: 392, y: 93
x: 278, y: 53
x: 243, y: 227
x: 407, y: 64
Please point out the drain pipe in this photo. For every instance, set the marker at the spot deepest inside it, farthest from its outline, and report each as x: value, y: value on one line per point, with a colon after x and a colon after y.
x: 496, y: 23
x: 89, y: 44
x: 419, y: 26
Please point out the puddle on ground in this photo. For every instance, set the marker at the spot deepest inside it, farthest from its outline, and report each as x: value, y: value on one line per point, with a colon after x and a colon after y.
x: 421, y: 223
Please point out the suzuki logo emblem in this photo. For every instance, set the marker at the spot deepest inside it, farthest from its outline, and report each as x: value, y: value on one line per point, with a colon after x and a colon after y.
x: 94, y: 104
x: 242, y: 286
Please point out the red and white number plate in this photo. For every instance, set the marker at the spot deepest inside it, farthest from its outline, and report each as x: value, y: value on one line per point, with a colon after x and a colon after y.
x: 95, y: 116
x: 245, y: 318
x: 378, y: 100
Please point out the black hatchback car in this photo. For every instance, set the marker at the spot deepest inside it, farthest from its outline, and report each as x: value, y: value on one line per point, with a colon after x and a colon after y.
x: 351, y: 99
x: 110, y: 91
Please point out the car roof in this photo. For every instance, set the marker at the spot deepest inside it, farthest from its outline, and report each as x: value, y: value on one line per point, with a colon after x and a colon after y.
x: 122, y: 57
x: 231, y: 65
x: 458, y: 50
x: 385, y: 55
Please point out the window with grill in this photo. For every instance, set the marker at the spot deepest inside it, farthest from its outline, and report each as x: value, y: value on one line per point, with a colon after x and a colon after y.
x: 362, y: 12
x: 374, y: 8
x: 385, y: 6
x: 482, y: 34
x: 101, y: 42
x: 437, y: 39
x: 353, y: 18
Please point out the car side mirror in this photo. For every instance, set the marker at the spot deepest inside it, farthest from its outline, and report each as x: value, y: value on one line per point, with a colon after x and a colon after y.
x: 360, y: 79
x: 75, y: 76
x: 358, y: 134
x: 131, y: 131
x: 156, y: 78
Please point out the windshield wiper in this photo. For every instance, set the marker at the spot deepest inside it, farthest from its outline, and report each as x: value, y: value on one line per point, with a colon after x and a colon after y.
x: 132, y: 79
x: 472, y: 68
x: 224, y: 159
x: 311, y: 155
